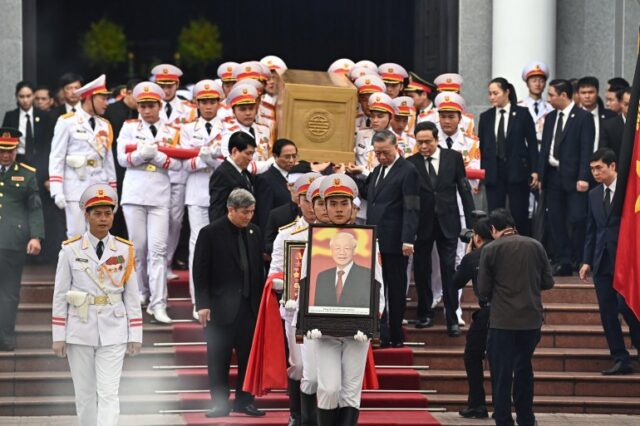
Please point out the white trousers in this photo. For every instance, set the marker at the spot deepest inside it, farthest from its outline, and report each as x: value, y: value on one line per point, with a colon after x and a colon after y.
x: 148, y: 227
x: 76, y: 224
x: 294, y: 371
x: 96, y: 378
x: 176, y: 214
x: 341, y: 363
x: 309, y: 382
x: 198, y: 219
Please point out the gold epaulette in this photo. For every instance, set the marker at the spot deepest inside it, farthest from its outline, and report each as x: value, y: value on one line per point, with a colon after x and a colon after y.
x: 28, y: 167
x: 297, y: 231
x: 288, y: 225
x: 72, y: 239
x: 67, y: 115
x: 122, y: 240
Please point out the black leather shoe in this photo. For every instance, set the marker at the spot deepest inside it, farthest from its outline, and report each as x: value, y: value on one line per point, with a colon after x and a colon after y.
x: 217, y: 412
x: 424, y: 323
x: 454, y: 330
x: 474, y: 413
x: 249, y: 410
x: 327, y: 417
x: 562, y: 270
x: 618, y: 369
x: 385, y: 344
x: 348, y: 416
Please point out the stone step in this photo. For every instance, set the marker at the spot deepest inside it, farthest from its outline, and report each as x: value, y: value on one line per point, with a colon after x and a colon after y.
x: 583, y: 384
x: 544, y: 359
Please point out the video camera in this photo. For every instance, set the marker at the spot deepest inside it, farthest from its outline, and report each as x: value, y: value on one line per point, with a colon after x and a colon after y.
x: 466, y: 235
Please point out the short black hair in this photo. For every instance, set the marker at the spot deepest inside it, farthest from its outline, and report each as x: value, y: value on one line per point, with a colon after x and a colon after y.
x: 24, y: 83
x: 620, y: 93
x: 240, y: 141
x: 281, y: 143
x: 501, y: 219
x: 43, y: 87
x: 68, y: 78
x: 483, y: 228
x: 426, y: 125
x: 617, y: 83
x: 133, y: 82
x: 607, y: 155
x: 562, y: 86
x: 589, y: 81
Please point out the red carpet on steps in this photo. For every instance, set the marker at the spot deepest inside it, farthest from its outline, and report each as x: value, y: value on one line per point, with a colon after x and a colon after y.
x: 195, y: 379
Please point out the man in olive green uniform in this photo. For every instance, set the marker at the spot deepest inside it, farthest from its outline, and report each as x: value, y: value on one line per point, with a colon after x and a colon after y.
x: 21, y: 229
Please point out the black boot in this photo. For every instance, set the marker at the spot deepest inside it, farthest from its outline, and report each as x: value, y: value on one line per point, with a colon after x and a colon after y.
x: 348, y: 416
x: 294, y: 403
x: 308, y: 409
x: 328, y: 417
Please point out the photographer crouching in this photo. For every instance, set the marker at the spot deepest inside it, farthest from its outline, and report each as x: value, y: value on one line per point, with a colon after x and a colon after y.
x: 476, y: 345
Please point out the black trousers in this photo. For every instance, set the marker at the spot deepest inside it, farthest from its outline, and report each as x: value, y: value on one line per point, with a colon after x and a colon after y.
x: 11, y: 264
x: 394, y: 274
x: 221, y: 340
x: 474, y: 352
x: 422, y: 274
x: 510, y: 353
x: 518, y: 194
x: 55, y: 229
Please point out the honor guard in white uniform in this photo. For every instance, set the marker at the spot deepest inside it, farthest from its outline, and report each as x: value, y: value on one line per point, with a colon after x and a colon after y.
x: 359, y: 71
x: 96, y: 314
x: 366, y: 85
x: 295, y: 231
x: 206, y: 134
x: 404, y: 111
x: 146, y: 193
x: 535, y: 74
x: 451, y: 83
x: 341, y: 361
x: 176, y: 113
x: 341, y: 66
x: 225, y: 74
x: 393, y: 76
x: 365, y: 63
x: 420, y: 91
x: 81, y: 153
x: 267, y: 110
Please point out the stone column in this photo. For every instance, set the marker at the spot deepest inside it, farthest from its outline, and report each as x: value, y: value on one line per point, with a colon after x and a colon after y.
x: 523, y: 31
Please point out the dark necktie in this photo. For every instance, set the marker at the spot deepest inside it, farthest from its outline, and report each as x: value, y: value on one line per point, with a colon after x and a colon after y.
x: 3, y: 170
x: 500, y: 136
x: 253, y: 132
x: 535, y: 107
x: 208, y: 126
x: 99, y: 249
x: 168, y: 109
x: 433, y: 176
x: 367, y: 122
x: 92, y: 123
x: 449, y: 142
x: 29, y: 135
x: 339, y: 286
x: 153, y: 129
x: 73, y: 109
x: 381, y: 175
x: 248, y: 179
x: 558, y: 136
x: 244, y: 263
x: 607, y: 201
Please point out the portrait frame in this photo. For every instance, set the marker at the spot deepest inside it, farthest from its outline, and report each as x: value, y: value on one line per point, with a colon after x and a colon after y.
x: 321, y: 305
x: 293, y: 257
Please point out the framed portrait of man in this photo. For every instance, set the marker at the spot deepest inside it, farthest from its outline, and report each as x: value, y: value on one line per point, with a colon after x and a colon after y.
x: 293, y: 255
x: 339, y: 295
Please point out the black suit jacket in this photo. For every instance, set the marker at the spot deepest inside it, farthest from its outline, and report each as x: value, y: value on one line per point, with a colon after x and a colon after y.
x: 217, y: 272
x: 271, y: 192
x: 521, y: 145
x: 356, y: 289
x: 278, y: 217
x: 611, y: 131
x: 393, y: 205
x: 602, y: 232
x: 575, y: 149
x: 223, y: 180
x: 441, y: 201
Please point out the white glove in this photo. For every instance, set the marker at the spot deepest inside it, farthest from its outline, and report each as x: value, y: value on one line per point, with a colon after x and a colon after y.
x: 291, y: 305
x: 60, y: 201
x: 204, y: 151
x: 360, y: 337
x: 314, y: 334
x: 148, y: 151
x: 216, y: 149
x: 277, y: 285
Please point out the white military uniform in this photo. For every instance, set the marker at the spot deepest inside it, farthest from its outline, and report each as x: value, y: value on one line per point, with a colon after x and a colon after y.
x: 466, y: 125
x: 267, y: 110
x: 362, y: 121
x: 262, y: 158
x: 199, y: 169
x: 96, y: 311
x: 80, y: 157
x: 544, y: 108
x: 146, y: 192
x: 225, y: 113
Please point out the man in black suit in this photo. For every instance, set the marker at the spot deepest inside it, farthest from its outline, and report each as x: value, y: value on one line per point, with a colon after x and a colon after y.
x: 442, y: 178
x: 588, y: 90
x: 612, y: 128
x: 346, y: 284
x: 391, y: 191
x: 69, y: 83
x: 231, y: 174
x: 42, y: 98
x: 278, y: 217
x: 603, y: 227
x: 567, y: 145
x: 508, y: 152
x: 272, y: 187
x: 228, y: 276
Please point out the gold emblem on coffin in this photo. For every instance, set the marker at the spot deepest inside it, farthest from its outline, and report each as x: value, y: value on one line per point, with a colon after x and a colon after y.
x: 319, y: 125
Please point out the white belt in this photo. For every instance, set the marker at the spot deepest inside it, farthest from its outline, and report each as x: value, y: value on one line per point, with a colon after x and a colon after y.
x: 110, y: 299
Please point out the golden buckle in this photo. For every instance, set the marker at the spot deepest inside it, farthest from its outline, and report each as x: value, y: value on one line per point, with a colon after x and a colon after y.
x: 100, y: 300
x: 150, y: 168
x: 92, y: 163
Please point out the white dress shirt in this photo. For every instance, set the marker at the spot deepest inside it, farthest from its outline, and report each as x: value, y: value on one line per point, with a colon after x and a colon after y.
x: 435, y: 161
x: 22, y: 126
x: 596, y: 121
x: 507, y: 111
x: 553, y: 161
x: 612, y: 187
x: 346, y: 270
